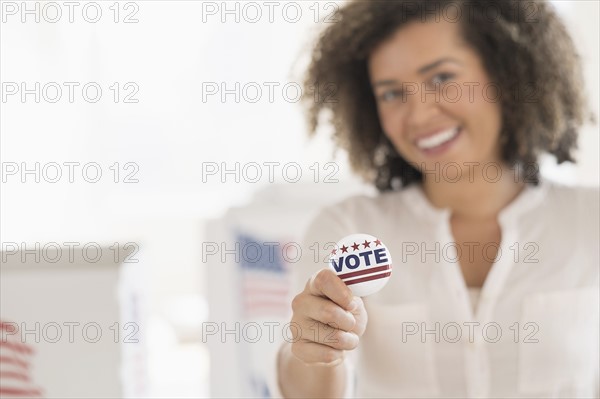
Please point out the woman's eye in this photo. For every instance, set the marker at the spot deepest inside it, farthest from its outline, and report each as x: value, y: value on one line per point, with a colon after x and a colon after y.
x: 441, y: 78
x: 390, y: 95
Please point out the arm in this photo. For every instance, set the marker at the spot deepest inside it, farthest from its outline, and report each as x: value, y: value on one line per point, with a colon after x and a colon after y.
x: 328, y: 320
x: 300, y: 380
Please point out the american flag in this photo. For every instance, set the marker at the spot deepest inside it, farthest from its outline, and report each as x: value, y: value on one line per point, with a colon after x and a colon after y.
x: 15, y: 364
x: 265, y: 280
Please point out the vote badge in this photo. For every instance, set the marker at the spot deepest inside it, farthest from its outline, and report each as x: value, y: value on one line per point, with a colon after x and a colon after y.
x: 363, y: 262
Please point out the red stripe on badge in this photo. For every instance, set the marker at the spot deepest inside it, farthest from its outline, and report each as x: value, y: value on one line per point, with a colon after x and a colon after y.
x: 363, y: 272
x: 368, y: 278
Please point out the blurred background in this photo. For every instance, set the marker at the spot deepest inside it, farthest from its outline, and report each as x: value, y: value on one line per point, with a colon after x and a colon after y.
x: 150, y: 137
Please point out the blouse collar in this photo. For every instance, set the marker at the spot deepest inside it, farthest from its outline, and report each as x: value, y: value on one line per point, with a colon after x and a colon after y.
x: 530, y: 197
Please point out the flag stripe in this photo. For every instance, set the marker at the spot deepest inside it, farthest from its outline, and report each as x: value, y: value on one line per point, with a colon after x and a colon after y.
x: 17, y: 347
x: 15, y: 354
x: 13, y: 360
x: 20, y: 392
x: 271, y: 292
x: 264, y: 282
x: 14, y: 375
x: 5, y: 326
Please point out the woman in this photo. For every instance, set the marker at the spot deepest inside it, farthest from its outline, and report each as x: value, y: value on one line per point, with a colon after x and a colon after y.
x: 446, y: 106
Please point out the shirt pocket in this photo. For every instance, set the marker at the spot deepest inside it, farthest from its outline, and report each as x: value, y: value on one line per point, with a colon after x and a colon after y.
x: 394, y: 361
x: 558, y: 345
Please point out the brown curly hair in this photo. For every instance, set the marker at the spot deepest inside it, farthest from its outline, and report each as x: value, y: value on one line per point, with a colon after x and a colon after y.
x: 529, y: 51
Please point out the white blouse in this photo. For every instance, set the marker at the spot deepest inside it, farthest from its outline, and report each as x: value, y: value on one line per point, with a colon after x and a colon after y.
x: 474, y: 297
x: 532, y: 330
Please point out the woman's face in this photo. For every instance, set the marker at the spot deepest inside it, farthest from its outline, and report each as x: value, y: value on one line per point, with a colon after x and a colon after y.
x: 458, y: 120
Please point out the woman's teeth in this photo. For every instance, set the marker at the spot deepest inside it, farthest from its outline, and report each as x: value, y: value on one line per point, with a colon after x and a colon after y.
x: 437, y: 139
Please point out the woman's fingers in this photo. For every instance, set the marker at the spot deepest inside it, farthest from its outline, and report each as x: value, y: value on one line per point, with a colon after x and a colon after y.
x: 314, y: 331
x: 327, y: 312
x: 327, y: 320
x: 327, y: 284
x: 311, y: 352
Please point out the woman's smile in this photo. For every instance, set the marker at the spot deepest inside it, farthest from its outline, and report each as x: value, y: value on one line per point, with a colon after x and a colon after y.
x: 438, y: 143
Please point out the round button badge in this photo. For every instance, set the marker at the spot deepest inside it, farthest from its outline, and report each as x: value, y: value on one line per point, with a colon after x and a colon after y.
x: 362, y: 262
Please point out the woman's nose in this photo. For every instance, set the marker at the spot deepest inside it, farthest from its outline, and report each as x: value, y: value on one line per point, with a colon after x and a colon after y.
x: 423, y: 107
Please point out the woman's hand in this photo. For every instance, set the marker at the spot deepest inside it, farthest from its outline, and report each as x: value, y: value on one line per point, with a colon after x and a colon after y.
x: 327, y: 320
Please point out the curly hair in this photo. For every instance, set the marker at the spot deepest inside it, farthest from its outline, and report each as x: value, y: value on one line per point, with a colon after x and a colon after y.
x: 529, y: 51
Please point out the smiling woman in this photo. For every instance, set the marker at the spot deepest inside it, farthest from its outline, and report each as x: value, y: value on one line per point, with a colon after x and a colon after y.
x: 432, y: 124
x: 445, y: 106
x: 515, y: 57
